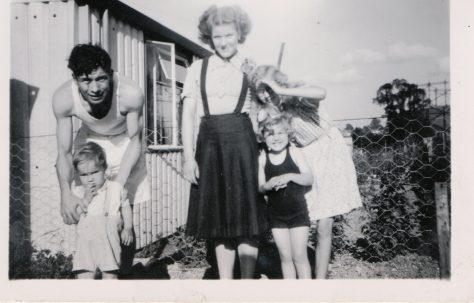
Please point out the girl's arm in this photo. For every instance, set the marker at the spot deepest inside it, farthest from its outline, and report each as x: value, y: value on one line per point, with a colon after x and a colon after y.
x: 261, y: 173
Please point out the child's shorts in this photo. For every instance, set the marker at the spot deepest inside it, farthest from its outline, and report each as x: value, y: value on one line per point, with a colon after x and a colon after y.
x: 98, y: 244
x: 290, y: 221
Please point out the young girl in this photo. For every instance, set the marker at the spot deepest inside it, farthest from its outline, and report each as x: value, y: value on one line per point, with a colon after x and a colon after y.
x: 108, y: 215
x: 335, y: 190
x: 283, y: 177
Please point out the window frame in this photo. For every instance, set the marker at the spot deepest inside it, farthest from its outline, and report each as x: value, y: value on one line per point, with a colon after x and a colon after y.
x: 166, y: 49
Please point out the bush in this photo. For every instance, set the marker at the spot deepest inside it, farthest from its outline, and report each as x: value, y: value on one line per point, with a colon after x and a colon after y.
x: 394, y: 226
x: 40, y: 264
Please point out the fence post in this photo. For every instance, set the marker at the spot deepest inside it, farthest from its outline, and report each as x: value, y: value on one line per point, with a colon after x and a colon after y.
x: 443, y: 228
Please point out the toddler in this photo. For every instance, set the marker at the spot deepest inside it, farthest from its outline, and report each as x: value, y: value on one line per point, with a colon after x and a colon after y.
x: 108, y: 218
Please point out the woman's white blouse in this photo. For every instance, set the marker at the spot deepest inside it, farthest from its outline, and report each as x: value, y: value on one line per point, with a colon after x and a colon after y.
x: 223, y: 85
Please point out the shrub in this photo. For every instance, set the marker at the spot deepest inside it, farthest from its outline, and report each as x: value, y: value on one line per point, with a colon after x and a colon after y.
x: 31, y: 263
x: 393, y: 227
x: 189, y: 252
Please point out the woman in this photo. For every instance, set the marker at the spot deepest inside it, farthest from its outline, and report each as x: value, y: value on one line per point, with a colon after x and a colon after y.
x: 223, y: 205
x: 335, y: 190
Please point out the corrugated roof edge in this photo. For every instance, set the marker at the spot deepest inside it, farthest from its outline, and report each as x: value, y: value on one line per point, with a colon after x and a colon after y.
x: 150, y: 27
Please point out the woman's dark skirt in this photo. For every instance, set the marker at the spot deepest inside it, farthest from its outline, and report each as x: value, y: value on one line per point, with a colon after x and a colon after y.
x: 226, y: 203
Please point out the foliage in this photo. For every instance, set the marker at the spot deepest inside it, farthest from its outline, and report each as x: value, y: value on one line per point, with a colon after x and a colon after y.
x: 393, y: 227
x: 405, y: 107
x: 31, y: 263
x: 190, y: 252
x: 367, y: 138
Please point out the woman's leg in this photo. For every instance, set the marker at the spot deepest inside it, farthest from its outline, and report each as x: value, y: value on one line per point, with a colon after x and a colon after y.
x: 283, y: 243
x: 225, y: 256
x: 299, y: 251
x: 85, y: 275
x: 323, y: 248
x: 248, y: 253
x: 109, y: 275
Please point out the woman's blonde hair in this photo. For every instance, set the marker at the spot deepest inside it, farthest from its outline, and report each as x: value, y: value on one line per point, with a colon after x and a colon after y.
x: 223, y: 15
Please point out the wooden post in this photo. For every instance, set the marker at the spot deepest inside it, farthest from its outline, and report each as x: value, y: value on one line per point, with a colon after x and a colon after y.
x: 444, y: 229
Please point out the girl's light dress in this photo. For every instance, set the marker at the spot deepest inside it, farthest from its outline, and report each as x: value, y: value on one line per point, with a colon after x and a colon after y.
x: 98, y: 231
x: 335, y: 190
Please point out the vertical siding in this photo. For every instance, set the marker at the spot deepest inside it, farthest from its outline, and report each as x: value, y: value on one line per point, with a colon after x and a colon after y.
x: 41, y: 39
x: 168, y: 211
x: 43, y: 34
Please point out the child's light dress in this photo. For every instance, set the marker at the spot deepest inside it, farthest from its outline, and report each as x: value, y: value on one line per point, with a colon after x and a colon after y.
x: 335, y: 190
x: 98, y: 238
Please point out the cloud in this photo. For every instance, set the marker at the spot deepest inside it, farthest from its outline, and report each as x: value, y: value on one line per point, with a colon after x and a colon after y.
x: 362, y: 56
x: 348, y: 76
x: 403, y: 51
x: 443, y: 64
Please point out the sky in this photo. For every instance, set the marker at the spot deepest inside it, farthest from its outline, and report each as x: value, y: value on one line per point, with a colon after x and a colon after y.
x: 348, y: 47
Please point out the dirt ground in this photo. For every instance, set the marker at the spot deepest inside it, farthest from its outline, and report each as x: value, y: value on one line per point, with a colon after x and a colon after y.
x: 343, y: 266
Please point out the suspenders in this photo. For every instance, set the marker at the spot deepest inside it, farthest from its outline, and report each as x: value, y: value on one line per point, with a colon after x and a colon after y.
x: 205, y: 104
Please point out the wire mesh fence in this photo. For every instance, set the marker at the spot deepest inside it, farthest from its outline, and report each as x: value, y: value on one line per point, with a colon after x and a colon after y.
x: 395, y: 234
x: 397, y: 167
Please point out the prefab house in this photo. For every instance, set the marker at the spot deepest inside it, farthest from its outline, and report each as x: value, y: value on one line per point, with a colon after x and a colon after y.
x: 42, y: 36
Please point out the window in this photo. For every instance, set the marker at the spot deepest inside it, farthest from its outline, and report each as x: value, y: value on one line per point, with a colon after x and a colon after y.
x: 166, y: 72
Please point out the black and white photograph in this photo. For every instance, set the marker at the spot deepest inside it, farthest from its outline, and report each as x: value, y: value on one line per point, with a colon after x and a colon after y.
x: 285, y: 144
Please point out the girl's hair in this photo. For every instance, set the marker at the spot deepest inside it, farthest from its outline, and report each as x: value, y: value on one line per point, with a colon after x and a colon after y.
x: 85, y: 58
x: 223, y: 15
x: 265, y: 126
x: 90, y: 152
x: 262, y: 72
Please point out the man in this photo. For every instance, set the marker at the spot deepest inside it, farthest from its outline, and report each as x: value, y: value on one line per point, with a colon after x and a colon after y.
x: 110, y: 108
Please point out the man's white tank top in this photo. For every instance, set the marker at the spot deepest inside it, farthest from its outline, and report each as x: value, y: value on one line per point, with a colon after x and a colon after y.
x: 113, y: 123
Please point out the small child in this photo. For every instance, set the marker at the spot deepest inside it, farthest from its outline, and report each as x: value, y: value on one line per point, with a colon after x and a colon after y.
x: 108, y: 215
x: 283, y: 176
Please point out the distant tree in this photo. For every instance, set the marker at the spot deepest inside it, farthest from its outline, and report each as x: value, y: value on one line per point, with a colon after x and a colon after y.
x: 405, y: 106
x: 349, y: 127
x: 369, y: 137
x: 375, y: 125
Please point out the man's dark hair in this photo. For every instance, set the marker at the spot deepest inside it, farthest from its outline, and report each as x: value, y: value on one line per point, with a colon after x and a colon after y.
x: 85, y: 58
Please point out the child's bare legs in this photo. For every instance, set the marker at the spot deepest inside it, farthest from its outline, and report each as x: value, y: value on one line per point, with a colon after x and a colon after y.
x: 323, y: 248
x: 225, y: 256
x: 109, y: 275
x: 247, y: 250
x: 299, y: 251
x: 283, y: 243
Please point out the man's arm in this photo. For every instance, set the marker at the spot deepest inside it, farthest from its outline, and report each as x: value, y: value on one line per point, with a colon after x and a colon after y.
x: 132, y: 101
x: 64, y: 168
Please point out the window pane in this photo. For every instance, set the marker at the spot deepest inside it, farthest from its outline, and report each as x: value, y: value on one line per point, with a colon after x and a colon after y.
x: 160, y: 129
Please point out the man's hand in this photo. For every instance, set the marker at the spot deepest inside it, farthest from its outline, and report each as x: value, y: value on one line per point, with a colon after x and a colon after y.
x: 69, y: 204
x: 191, y: 170
x: 126, y: 236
